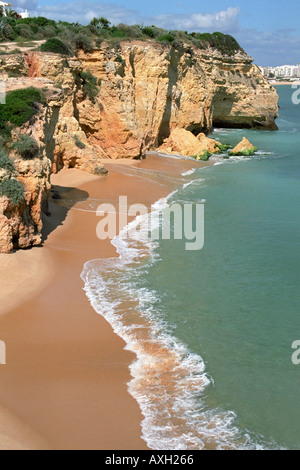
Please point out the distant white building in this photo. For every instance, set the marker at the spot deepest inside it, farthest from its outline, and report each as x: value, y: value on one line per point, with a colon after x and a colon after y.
x: 282, y: 71
x: 24, y: 14
x: 4, y: 5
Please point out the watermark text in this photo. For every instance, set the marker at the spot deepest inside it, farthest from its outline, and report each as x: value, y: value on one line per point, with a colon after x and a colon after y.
x: 2, y: 92
x: 2, y: 353
x: 296, y: 94
x: 136, y: 222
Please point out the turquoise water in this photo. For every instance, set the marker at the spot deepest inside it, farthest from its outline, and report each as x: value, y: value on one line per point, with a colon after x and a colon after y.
x: 236, y: 302
x: 213, y: 329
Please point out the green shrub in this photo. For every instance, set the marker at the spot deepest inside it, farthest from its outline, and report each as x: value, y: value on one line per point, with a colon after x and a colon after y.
x: 56, y: 46
x: 148, y: 31
x: 130, y: 31
x: 84, y: 37
x: 120, y: 60
x: 14, y: 74
x: 89, y: 85
x: 24, y: 31
x: 5, y: 132
x: 47, y: 31
x: 78, y: 142
x: 6, y: 31
x: 27, y: 147
x: 81, y: 41
x: 38, y: 21
x: 100, y: 23
x: 3, y: 141
x: 12, y: 189
x: 19, y: 106
x: 117, y: 33
x: 168, y: 38
x: 152, y: 31
x: 225, y: 43
x: 5, y: 162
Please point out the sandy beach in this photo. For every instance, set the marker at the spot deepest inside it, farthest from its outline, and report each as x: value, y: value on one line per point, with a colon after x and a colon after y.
x: 65, y: 382
x: 295, y: 82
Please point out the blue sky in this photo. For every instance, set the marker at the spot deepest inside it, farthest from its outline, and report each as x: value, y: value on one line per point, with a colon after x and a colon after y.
x: 269, y: 30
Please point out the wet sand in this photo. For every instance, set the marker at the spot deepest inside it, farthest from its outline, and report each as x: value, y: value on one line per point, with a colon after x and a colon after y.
x: 64, y: 385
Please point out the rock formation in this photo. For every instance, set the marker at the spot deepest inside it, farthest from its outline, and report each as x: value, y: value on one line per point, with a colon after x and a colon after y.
x: 244, y: 148
x: 184, y: 142
x: 148, y: 90
x: 21, y: 224
x: 145, y: 95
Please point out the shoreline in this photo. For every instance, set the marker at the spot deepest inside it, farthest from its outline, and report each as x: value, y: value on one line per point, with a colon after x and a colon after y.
x: 67, y: 372
x: 285, y: 83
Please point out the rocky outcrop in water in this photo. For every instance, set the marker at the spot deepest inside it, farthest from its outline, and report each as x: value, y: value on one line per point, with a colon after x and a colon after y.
x: 184, y: 142
x: 148, y: 90
x: 145, y: 91
x: 21, y: 222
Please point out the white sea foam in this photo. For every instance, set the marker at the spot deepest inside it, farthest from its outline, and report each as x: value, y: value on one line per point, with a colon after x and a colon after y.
x: 168, y: 381
x: 189, y: 172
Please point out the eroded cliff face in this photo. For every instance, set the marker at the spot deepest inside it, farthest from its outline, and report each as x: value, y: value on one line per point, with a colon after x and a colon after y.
x: 21, y: 224
x: 148, y: 90
x: 145, y: 91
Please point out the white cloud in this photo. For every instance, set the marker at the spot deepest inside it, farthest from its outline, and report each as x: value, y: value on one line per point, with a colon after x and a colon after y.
x: 267, y: 48
x: 25, y: 4
x: 225, y: 21
x: 74, y: 12
x: 270, y: 48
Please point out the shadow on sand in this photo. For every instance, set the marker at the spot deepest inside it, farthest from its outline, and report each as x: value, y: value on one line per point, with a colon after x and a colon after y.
x: 61, y: 200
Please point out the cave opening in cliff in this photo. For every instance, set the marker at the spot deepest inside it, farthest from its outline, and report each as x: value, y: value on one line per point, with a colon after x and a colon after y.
x: 221, y: 107
x: 196, y: 129
x: 229, y: 124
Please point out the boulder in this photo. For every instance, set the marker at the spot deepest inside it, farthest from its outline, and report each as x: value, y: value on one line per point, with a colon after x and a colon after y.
x: 244, y: 148
x: 184, y: 142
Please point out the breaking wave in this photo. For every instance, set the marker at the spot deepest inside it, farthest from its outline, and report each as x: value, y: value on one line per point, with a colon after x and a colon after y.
x: 169, y: 382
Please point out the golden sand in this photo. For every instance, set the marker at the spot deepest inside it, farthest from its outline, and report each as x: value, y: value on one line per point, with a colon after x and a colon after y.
x: 65, y: 382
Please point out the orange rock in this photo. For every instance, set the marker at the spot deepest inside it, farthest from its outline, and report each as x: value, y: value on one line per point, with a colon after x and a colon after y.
x: 184, y: 142
x: 243, y: 146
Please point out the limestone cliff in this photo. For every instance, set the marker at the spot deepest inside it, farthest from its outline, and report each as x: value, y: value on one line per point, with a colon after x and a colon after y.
x: 144, y: 91
x: 148, y: 90
x: 21, y: 224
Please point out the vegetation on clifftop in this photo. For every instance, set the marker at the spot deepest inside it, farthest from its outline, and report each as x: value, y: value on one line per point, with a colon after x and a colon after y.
x: 57, y: 46
x: 20, y: 106
x: 74, y: 36
x: 13, y: 190
x: 26, y: 147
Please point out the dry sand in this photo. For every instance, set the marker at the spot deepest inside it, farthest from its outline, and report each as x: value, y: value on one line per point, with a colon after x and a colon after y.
x: 295, y: 82
x: 65, y: 382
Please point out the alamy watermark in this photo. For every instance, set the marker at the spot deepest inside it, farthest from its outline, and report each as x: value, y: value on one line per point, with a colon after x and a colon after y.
x: 296, y: 353
x: 296, y: 94
x: 136, y: 222
x: 2, y: 92
x: 2, y: 353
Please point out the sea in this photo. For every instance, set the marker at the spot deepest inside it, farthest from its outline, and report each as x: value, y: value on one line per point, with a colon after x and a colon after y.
x: 213, y: 329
